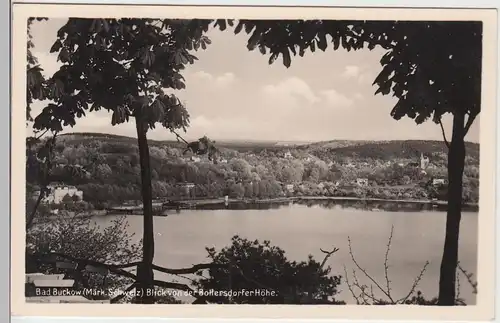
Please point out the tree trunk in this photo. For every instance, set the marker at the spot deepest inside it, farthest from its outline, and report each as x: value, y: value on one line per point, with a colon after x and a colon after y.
x: 145, y: 270
x: 456, y: 160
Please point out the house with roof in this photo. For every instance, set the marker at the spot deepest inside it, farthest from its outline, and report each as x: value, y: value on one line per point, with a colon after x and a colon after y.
x: 57, y: 193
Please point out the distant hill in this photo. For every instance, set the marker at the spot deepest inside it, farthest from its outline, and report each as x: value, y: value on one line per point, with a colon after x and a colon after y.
x: 241, y: 145
x: 388, y: 149
x: 362, y: 149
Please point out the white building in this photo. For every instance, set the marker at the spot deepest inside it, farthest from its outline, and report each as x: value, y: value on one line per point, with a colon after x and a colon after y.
x: 58, y: 192
x: 438, y: 181
x: 288, y: 154
x: 424, y: 162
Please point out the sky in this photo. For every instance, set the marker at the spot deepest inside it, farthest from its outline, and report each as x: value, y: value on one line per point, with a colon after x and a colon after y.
x: 234, y: 94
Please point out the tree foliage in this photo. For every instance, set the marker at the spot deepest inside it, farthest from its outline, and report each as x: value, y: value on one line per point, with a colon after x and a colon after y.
x: 432, y: 67
x: 35, y: 89
x: 79, y: 237
x: 254, y: 265
x: 123, y: 66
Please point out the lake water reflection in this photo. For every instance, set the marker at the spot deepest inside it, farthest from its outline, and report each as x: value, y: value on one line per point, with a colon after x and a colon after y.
x: 302, y: 229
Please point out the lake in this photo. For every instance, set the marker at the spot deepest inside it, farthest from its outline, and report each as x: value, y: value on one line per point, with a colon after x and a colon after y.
x: 301, y: 230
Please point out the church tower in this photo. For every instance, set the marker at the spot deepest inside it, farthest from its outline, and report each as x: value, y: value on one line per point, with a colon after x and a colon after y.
x: 424, y: 161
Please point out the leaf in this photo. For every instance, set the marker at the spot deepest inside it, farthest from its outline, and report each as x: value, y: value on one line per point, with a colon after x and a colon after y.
x: 384, y: 88
x: 249, y: 26
x: 273, y: 58
x: 222, y: 24
x: 92, y: 26
x: 286, y: 58
x: 184, y: 59
x: 105, y: 25
x: 160, y: 110
x: 238, y: 28
x: 322, y: 44
x: 336, y: 42
x: 383, y: 76
x: 63, y: 55
x: 118, y: 116
x: 56, y: 46
x: 253, y: 40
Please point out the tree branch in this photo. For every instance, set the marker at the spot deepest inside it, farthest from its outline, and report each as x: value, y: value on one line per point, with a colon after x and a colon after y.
x: 386, y: 262
x: 43, y: 133
x: 366, y: 274
x: 415, y: 284
x: 446, y: 142
x: 31, y: 216
x: 468, y: 276
x: 350, y: 287
x: 46, y: 181
x: 118, y: 269
x: 470, y: 121
x: 190, y: 270
x: 328, y: 254
x: 179, y: 136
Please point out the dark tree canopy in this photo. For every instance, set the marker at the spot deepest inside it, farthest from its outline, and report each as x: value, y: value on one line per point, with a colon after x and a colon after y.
x: 261, y: 266
x: 123, y: 66
x: 432, y: 68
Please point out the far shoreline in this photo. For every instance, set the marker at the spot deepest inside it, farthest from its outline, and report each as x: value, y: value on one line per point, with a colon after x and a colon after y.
x: 200, y: 203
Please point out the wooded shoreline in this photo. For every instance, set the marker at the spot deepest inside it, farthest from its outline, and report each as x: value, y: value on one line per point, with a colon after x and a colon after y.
x: 200, y: 203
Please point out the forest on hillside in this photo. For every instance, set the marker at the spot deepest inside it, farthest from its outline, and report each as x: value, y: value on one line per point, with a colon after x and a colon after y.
x: 391, y: 168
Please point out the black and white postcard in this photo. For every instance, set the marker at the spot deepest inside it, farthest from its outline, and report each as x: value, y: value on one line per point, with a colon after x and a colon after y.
x: 253, y: 162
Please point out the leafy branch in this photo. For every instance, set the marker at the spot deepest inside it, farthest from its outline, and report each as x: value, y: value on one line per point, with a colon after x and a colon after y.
x: 42, y: 160
x: 77, y: 265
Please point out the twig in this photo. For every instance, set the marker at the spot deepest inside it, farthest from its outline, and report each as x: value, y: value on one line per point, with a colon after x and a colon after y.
x: 179, y: 136
x: 415, y: 284
x: 350, y: 286
x: 386, y: 262
x: 468, y: 276
x: 31, y: 216
x: 365, y: 273
x: 43, y: 133
x: 328, y: 254
x: 360, y: 287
